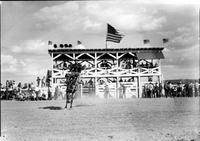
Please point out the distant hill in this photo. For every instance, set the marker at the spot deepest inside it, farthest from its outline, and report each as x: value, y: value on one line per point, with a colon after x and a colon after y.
x: 183, y: 80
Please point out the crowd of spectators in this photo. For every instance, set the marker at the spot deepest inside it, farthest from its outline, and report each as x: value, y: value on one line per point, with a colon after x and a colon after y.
x: 181, y: 90
x: 26, y: 91
x: 29, y: 91
x: 153, y: 90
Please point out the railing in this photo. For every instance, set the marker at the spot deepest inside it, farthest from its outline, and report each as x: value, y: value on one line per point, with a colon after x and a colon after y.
x: 120, y: 72
x: 92, y: 72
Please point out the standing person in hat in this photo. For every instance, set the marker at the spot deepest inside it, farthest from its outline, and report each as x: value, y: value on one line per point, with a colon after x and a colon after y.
x: 151, y: 88
x: 156, y: 90
x: 166, y: 89
x: 106, y: 91
x: 196, y: 89
x: 179, y: 90
x: 38, y: 81
x: 123, y: 91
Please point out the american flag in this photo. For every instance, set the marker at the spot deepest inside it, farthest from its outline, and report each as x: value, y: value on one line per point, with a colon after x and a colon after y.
x: 113, y: 35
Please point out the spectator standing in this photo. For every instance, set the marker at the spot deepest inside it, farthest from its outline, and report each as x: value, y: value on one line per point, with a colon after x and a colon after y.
x: 174, y: 91
x: 38, y: 81
x: 170, y: 87
x: 179, y: 90
x: 123, y: 91
x: 166, y: 89
x: 43, y: 81
x: 151, y: 88
x: 186, y: 90
x: 37, y: 91
x: 156, y: 90
x: 196, y: 89
x: 190, y: 90
x: 161, y: 89
x: 106, y: 91
x: 120, y: 91
x: 7, y: 87
x: 145, y: 91
x: 90, y: 82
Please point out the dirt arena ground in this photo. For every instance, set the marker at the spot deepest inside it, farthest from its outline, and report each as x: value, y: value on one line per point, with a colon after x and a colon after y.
x: 90, y: 119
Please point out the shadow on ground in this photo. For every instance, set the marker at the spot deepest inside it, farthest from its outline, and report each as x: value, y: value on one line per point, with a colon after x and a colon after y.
x: 52, y: 108
x: 83, y: 105
x: 61, y: 108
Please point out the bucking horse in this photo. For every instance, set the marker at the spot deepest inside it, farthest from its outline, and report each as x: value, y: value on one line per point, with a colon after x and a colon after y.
x: 72, y: 82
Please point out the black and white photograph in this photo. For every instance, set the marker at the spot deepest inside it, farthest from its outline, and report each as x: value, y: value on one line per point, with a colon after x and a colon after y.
x: 116, y: 70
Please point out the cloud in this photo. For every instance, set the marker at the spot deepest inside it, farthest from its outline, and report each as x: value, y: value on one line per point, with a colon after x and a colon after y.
x: 183, y: 58
x: 31, y: 46
x: 94, y: 15
x: 174, y: 2
x: 65, y: 16
x: 185, y: 37
x: 8, y: 63
x: 92, y: 26
x: 182, y: 63
x: 126, y: 16
x: 32, y: 68
x: 26, y: 66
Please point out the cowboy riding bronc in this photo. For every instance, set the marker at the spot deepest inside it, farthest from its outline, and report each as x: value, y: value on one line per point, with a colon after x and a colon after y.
x: 72, y: 82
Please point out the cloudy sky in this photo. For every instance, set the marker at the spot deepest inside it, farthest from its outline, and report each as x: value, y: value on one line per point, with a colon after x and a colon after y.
x: 27, y: 26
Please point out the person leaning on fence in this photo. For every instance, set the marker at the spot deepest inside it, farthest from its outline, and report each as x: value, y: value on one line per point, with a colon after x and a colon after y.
x: 120, y: 91
x: 106, y: 91
x: 123, y: 91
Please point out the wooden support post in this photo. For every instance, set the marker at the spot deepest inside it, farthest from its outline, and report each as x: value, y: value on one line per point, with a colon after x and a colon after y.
x: 139, y: 88
x: 117, y: 87
x: 81, y: 90
x: 160, y: 76
x: 74, y: 57
x: 95, y: 66
x: 159, y: 63
x: 117, y: 93
x: 52, y: 76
